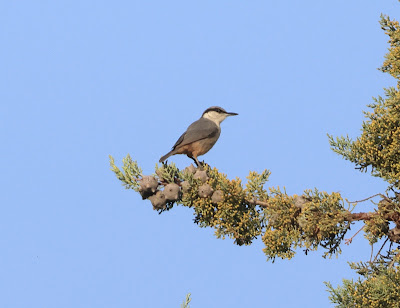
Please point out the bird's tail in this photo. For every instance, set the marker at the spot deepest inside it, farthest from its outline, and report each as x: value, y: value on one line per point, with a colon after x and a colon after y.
x: 166, y: 156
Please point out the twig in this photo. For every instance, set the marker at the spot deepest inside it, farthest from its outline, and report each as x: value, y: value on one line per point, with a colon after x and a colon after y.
x: 372, y: 253
x: 383, y: 196
x: 348, y: 241
x: 384, y: 243
x: 394, y: 259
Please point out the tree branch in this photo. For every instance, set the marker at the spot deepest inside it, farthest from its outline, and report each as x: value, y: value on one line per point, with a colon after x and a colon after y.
x: 358, y: 216
x: 263, y: 204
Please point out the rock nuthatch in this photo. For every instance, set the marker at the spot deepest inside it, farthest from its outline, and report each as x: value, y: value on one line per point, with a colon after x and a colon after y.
x: 201, y: 135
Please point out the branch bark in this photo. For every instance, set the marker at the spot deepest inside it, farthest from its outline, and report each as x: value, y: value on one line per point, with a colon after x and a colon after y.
x: 359, y: 216
x: 263, y: 204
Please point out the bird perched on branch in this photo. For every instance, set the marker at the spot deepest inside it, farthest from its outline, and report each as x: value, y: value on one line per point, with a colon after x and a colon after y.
x: 201, y: 135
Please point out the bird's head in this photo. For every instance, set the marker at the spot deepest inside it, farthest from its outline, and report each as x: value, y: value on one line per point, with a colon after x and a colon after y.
x: 217, y: 114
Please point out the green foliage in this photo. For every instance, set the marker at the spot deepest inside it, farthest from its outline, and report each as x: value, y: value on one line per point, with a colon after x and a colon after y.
x: 378, y: 147
x: 391, y: 64
x: 323, y: 221
x: 131, y: 172
x: 342, y: 146
x: 168, y: 173
x: 379, y: 287
x: 317, y: 221
x: 255, y: 185
x: 282, y: 234
x: 186, y: 302
x: 235, y: 217
x: 286, y: 223
x: 376, y: 228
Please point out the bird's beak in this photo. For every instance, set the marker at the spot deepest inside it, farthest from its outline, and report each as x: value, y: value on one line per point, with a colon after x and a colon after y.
x: 232, y: 113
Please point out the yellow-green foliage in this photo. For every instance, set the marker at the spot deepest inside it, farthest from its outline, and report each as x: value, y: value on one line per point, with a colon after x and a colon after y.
x: 131, y: 172
x: 322, y: 221
x: 282, y: 234
x: 391, y: 64
x: 234, y: 217
x: 168, y: 173
x: 378, y: 147
x: 376, y: 228
x: 319, y: 221
x: 255, y: 185
x: 380, y: 289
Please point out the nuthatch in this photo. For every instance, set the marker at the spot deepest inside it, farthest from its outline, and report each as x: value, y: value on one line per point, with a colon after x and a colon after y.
x: 201, y: 135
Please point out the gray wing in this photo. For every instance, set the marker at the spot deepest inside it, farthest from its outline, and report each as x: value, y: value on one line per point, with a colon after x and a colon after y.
x: 201, y: 129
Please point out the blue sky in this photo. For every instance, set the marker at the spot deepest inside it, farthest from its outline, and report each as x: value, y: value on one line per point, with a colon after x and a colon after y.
x: 84, y: 79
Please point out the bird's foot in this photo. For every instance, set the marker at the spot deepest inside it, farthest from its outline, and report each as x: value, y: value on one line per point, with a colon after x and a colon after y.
x: 202, y: 165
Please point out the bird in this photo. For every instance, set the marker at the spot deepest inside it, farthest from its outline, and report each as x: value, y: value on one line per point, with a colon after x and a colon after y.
x: 201, y: 135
